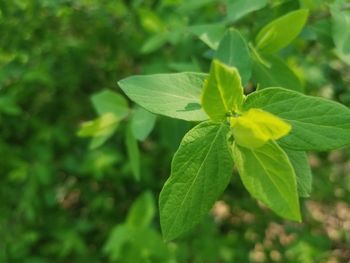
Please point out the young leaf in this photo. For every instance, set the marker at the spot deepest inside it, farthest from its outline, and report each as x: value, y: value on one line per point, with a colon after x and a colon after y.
x: 233, y: 51
x: 142, y: 123
x: 302, y: 170
x: 210, y: 34
x: 317, y: 124
x: 268, y: 175
x: 222, y: 92
x: 109, y: 101
x: 255, y: 127
x: 274, y: 73
x: 281, y: 31
x: 133, y: 153
x: 200, y: 171
x: 100, y: 129
x: 237, y: 9
x: 174, y: 95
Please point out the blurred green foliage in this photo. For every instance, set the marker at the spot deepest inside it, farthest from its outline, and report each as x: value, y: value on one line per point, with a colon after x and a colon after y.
x: 63, y: 202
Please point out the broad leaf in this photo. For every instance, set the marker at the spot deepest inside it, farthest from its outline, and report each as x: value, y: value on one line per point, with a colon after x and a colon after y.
x: 269, y: 177
x: 281, y: 31
x: 133, y: 153
x: 302, y: 170
x: 210, y: 34
x: 274, y: 73
x: 234, y: 52
x: 317, y: 124
x: 237, y: 9
x: 255, y: 127
x: 174, y: 95
x: 109, y: 101
x: 223, y: 92
x: 142, y: 123
x: 200, y: 171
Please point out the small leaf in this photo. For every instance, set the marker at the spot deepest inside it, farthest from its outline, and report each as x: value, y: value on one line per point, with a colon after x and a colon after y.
x: 109, y: 101
x: 222, y: 92
x: 281, y: 31
x: 154, y: 42
x: 233, y: 51
x: 142, y: 123
x: 9, y: 106
x: 210, y: 34
x: 118, y: 237
x: 150, y: 21
x: 237, y: 9
x: 174, y: 95
x: 341, y: 30
x: 268, y: 175
x: 101, y: 129
x: 274, y: 73
x: 317, y: 124
x: 133, y: 153
x: 302, y: 170
x: 255, y: 127
x: 200, y: 171
x: 142, y: 211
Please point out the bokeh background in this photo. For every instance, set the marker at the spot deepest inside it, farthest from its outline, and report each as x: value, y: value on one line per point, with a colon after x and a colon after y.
x: 62, y: 201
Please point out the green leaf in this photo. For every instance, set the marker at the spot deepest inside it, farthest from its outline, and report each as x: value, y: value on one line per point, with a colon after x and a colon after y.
x: 150, y: 21
x: 237, y: 9
x: 302, y: 170
x: 9, y: 106
x: 119, y: 236
x: 281, y: 31
x: 341, y: 30
x: 109, y: 101
x: 200, y: 171
x: 142, y: 211
x: 222, y: 92
x: 133, y: 153
x: 101, y: 129
x: 317, y: 124
x: 268, y: 175
x: 142, y: 123
x: 154, y: 42
x: 234, y: 52
x: 210, y: 34
x: 274, y: 73
x: 174, y: 95
x: 193, y: 5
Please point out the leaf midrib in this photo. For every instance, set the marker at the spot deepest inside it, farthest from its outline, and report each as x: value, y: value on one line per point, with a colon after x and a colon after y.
x: 261, y: 164
x: 196, y: 177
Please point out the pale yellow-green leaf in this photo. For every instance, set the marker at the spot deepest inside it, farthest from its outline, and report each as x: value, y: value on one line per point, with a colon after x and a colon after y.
x: 223, y: 91
x: 255, y: 127
x: 99, y: 129
x: 282, y: 31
